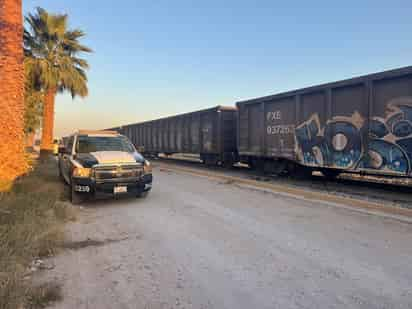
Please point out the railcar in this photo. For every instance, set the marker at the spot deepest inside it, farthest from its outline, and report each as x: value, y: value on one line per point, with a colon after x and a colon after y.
x: 361, y: 125
x: 210, y: 133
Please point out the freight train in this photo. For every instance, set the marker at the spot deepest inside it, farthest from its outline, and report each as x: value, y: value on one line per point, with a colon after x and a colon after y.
x: 360, y: 125
x: 210, y: 133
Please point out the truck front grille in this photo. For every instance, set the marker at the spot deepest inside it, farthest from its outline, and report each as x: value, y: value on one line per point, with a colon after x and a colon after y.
x: 117, y: 172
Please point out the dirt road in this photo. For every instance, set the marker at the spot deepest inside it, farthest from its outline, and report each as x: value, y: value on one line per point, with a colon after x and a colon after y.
x: 201, y: 243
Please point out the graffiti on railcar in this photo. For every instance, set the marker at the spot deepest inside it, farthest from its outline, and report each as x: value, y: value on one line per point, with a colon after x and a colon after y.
x: 390, y: 138
x: 340, y: 143
x: 337, y: 144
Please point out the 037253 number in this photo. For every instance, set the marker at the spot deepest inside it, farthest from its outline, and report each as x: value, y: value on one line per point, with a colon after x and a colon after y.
x: 280, y: 129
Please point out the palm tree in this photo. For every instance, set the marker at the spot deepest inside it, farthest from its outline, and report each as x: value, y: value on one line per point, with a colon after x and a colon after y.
x: 52, y: 55
x: 12, y: 155
x: 33, y: 101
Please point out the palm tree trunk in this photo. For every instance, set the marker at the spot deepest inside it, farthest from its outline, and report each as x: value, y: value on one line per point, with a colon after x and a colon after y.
x: 46, y: 147
x: 12, y: 154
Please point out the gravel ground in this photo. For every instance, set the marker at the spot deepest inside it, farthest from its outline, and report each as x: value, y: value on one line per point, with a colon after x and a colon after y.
x: 201, y: 243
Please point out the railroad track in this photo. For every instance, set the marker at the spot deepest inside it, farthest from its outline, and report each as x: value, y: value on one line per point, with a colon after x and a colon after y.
x: 366, y: 188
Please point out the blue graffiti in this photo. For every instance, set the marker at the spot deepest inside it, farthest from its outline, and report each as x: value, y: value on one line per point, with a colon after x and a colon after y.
x: 377, y: 129
x: 311, y: 143
x: 340, y: 143
x: 344, y: 143
x: 383, y: 155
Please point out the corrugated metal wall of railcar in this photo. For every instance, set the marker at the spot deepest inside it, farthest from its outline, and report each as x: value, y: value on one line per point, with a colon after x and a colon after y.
x: 390, y: 128
x: 331, y: 130
x: 149, y: 137
x: 154, y: 133
x: 186, y: 133
x: 159, y: 125
x: 178, y: 135
x: 127, y: 132
x: 250, y: 129
x: 209, y: 132
x: 172, y: 135
x: 359, y: 124
x: 368, y: 127
x: 196, y: 132
x: 267, y: 129
x: 228, y: 131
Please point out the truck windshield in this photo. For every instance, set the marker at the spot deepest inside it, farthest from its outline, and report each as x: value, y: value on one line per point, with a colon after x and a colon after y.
x: 87, y: 144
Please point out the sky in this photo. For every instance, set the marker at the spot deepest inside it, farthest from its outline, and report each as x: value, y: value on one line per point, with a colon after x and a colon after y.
x: 160, y: 58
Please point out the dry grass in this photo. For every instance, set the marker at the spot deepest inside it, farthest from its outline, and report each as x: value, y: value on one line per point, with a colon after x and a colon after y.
x: 41, y: 296
x: 32, y: 214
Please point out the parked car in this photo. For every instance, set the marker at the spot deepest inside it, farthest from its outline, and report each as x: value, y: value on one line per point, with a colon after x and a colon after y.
x: 104, y: 163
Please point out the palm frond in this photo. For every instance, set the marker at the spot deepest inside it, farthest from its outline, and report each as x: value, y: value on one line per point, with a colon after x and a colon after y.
x: 52, y: 51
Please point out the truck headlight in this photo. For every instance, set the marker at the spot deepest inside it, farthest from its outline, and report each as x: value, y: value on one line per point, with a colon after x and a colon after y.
x: 81, y: 172
x: 147, y: 167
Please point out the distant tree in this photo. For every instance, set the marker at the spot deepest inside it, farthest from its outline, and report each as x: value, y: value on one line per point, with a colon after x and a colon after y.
x: 33, y: 101
x: 52, y: 55
x: 12, y: 156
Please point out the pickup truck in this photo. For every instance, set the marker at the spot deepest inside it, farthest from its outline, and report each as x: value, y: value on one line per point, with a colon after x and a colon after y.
x: 103, y: 163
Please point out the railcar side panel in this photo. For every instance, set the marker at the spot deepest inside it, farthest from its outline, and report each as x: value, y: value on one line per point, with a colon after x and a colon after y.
x: 229, y: 131
x: 186, y: 136
x: 280, y: 119
x: 208, y: 127
x: 390, y: 130
x: 195, y: 133
x: 179, y: 134
x: 361, y: 124
x: 166, y: 132
x: 154, y: 136
x: 172, y: 135
x: 255, y: 136
x: 210, y: 133
x: 159, y: 125
x: 243, y: 129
